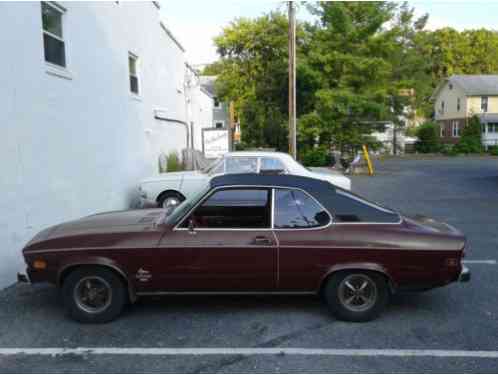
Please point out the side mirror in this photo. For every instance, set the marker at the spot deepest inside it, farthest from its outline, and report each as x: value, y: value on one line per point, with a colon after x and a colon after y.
x: 191, y: 226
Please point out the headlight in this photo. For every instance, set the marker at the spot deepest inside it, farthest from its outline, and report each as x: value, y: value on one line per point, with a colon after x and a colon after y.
x: 142, y: 192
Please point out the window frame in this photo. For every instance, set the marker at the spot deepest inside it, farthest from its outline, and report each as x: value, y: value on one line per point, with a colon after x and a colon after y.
x: 484, y: 99
x: 458, y: 104
x: 135, y: 57
x: 216, y: 100
x: 62, y: 11
x: 455, y: 129
x: 216, y: 122
x: 272, y: 188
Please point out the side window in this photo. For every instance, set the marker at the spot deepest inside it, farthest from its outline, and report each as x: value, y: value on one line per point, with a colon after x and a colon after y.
x: 234, y: 208
x: 241, y: 165
x: 296, y: 209
x: 271, y: 164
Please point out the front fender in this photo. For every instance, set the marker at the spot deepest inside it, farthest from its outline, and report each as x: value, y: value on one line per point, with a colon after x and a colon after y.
x: 96, y: 261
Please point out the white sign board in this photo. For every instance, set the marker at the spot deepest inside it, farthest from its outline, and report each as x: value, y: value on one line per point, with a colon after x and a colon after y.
x: 214, y: 142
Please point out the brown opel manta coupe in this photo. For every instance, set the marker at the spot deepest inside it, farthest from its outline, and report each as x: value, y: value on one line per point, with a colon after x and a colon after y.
x: 248, y: 234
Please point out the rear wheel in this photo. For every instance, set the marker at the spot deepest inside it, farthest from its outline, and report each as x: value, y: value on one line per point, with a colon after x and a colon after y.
x: 93, y: 295
x: 170, y: 199
x: 356, y: 296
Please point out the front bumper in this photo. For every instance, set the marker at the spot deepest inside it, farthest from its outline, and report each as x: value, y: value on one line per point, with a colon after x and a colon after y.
x: 22, y: 278
x: 464, y: 275
x: 146, y: 203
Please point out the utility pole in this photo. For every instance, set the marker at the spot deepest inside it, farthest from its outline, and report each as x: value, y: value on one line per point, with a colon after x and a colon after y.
x: 292, y: 80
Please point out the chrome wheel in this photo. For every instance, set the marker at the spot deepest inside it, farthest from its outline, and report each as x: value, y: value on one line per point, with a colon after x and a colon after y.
x: 357, y: 292
x: 171, y: 202
x: 92, y: 294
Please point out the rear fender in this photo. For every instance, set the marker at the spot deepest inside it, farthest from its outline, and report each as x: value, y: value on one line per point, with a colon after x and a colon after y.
x: 374, y: 267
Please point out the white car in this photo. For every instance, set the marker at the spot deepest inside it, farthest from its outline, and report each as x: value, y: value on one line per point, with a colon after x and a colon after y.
x: 171, y: 188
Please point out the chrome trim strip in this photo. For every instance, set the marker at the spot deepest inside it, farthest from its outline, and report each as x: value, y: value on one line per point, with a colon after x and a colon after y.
x: 221, y: 293
x: 277, y: 243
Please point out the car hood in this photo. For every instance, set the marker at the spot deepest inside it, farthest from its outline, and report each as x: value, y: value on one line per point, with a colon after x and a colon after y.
x: 175, y: 176
x: 106, y: 223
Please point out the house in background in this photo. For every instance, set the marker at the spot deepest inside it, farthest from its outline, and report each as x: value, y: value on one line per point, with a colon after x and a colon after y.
x: 460, y: 97
x: 92, y: 95
x: 221, y: 110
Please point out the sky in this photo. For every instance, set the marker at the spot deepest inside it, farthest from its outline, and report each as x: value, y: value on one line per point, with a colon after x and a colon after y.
x: 195, y: 22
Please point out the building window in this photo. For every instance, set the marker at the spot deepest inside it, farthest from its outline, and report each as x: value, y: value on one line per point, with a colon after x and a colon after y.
x: 442, y: 106
x: 493, y: 127
x: 456, y: 128
x: 458, y: 104
x: 451, y: 86
x: 53, y: 41
x: 219, y: 124
x: 217, y: 103
x: 484, y: 103
x: 133, y: 69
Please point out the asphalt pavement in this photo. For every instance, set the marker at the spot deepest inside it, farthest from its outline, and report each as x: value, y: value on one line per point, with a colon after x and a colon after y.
x: 451, y: 329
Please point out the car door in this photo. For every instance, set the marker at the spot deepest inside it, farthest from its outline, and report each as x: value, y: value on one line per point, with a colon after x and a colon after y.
x: 224, y: 244
x: 304, y: 234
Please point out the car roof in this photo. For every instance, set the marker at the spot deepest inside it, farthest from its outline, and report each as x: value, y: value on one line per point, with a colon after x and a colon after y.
x: 333, y: 198
x: 285, y: 180
x: 258, y: 153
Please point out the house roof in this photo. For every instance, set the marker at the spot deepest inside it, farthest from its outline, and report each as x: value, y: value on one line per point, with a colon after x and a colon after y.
x: 207, y: 82
x: 472, y: 85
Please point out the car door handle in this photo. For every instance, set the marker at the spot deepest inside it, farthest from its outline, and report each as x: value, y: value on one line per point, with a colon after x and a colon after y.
x: 261, y: 240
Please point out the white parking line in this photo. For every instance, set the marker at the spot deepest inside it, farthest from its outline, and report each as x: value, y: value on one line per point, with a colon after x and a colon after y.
x: 252, y: 352
x: 489, y: 261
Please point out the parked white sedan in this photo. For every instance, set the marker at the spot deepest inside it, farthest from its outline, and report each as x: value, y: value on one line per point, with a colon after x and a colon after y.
x: 169, y: 189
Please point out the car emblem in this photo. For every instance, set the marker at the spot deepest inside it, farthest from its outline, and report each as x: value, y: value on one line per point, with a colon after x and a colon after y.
x: 143, y: 275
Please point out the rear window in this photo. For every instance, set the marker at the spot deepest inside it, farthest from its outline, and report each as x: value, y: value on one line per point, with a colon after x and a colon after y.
x: 350, y: 208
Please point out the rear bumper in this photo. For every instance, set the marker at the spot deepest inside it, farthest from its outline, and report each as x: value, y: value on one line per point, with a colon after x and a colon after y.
x: 464, y: 275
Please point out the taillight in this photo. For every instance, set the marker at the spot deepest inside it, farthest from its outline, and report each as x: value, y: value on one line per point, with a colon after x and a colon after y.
x: 451, y: 262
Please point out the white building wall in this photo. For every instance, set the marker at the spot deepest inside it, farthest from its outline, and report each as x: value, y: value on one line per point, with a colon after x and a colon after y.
x: 77, y: 144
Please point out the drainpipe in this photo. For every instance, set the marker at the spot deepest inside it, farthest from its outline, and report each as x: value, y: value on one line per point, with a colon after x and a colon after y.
x: 158, y: 115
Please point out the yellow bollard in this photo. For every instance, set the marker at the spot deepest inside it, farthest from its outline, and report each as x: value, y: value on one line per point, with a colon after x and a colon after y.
x: 369, y: 162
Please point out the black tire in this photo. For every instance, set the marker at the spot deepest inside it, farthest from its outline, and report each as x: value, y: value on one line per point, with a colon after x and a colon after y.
x: 378, y: 295
x: 168, y: 195
x: 78, y: 310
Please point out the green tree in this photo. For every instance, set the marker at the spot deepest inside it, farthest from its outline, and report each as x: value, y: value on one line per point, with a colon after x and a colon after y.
x: 470, y: 138
x: 428, y: 138
x: 252, y: 72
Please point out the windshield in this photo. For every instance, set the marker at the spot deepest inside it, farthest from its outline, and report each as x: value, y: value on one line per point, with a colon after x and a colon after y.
x: 212, y: 166
x: 185, y: 206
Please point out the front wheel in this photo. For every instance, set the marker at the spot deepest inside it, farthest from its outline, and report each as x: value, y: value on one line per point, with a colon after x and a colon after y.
x: 93, y: 295
x: 356, y: 296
